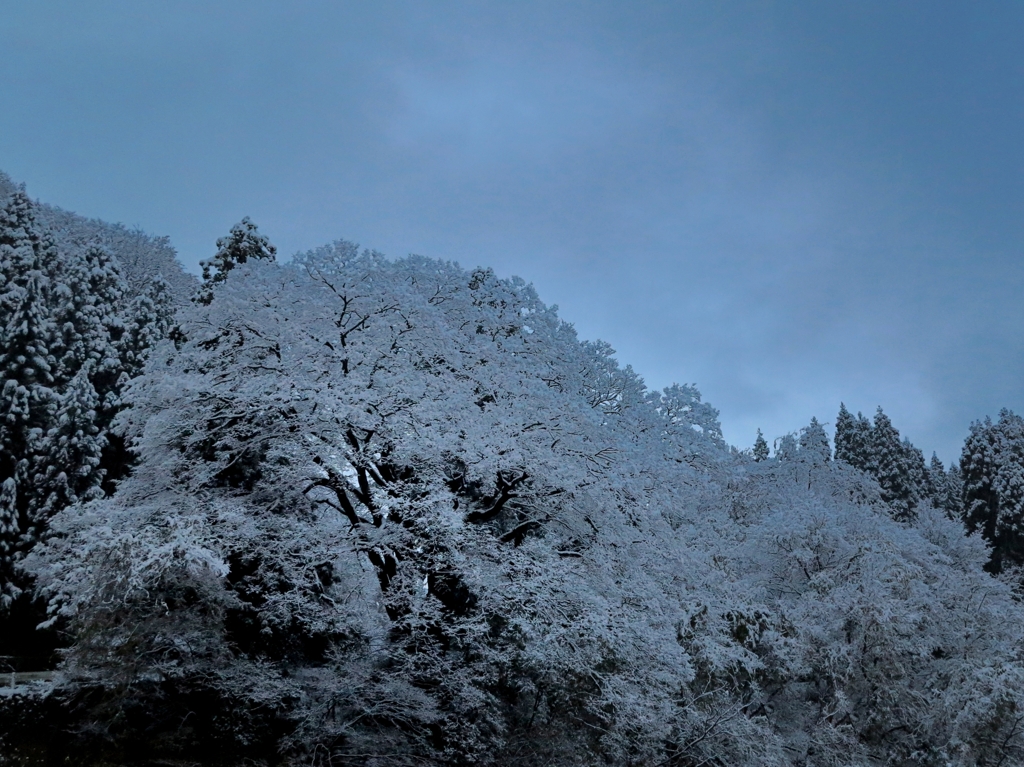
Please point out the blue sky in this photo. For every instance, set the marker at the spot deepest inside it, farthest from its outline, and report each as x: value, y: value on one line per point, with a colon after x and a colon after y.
x: 788, y: 204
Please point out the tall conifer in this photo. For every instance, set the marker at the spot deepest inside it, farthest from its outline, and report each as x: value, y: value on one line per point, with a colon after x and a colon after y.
x: 67, y: 460
x: 243, y: 243
x: 149, y: 320
x: 814, y: 442
x: 992, y: 465
x: 853, y: 439
x: 891, y: 468
x: 27, y: 400
x: 760, y: 448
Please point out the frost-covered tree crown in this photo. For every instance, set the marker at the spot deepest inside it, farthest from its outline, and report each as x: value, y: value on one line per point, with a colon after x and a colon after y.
x: 244, y: 243
x: 396, y: 512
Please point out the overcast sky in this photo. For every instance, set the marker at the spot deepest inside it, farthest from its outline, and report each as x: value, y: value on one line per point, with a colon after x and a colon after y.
x: 788, y: 204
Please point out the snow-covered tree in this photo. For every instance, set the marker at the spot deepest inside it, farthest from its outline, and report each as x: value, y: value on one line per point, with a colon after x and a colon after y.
x: 992, y: 468
x: 892, y: 466
x: 9, y: 523
x: 89, y: 296
x: 27, y: 399
x: 814, y: 442
x: 944, y: 488
x: 64, y: 358
x: 244, y: 243
x: 760, y: 448
x: 402, y: 422
x: 877, y: 449
x: 853, y: 439
x: 953, y: 500
x: 397, y: 511
x: 66, y: 464
x: 7, y: 187
x: 682, y: 406
x: 149, y: 320
x: 786, y: 447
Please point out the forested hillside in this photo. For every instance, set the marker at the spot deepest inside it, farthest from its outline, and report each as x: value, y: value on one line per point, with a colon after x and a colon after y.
x: 81, y: 303
x: 140, y: 256
x: 395, y: 512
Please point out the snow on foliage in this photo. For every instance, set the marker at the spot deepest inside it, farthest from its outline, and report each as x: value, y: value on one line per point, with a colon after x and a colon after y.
x: 141, y: 257
x: 395, y: 512
x: 243, y: 243
x: 992, y: 467
x: 68, y: 343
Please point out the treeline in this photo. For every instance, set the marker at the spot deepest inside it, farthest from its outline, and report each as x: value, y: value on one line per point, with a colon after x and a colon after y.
x: 984, y: 489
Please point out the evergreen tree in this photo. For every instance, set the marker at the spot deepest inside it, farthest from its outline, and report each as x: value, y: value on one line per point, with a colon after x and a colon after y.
x: 8, y: 527
x: 61, y: 372
x: 936, y: 481
x: 890, y: 465
x: 149, y: 320
x: 243, y: 243
x: 26, y: 330
x: 107, y: 290
x: 954, y: 499
x: 844, y: 430
x: 945, y: 489
x: 918, y: 478
x: 877, y: 450
x: 853, y: 439
x: 992, y: 466
x: 88, y: 296
x: 27, y: 399
x: 67, y: 460
x: 760, y: 448
x: 814, y: 442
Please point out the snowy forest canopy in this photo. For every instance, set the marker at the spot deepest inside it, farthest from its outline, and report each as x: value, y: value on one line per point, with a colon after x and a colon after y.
x: 352, y: 510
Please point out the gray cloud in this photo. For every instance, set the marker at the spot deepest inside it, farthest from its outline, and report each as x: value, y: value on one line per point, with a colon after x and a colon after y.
x: 788, y: 204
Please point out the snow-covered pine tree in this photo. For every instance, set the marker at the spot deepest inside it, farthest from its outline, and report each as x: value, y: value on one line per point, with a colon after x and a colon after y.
x: 935, y: 476
x: 89, y: 294
x: 853, y: 439
x: 62, y: 367
x: 945, y: 488
x: 917, y: 471
x: 66, y: 464
x: 844, y: 433
x: 992, y: 467
x: 107, y: 290
x: 954, y: 501
x: 148, y: 321
x: 814, y: 443
x: 760, y: 448
x: 243, y: 243
x: 9, y: 529
x: 76, y: 320
x: 936, y: 482
x: 877, y: 449
x: 7, y: 187
x: 27, y: 399
x: 890, y: 465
